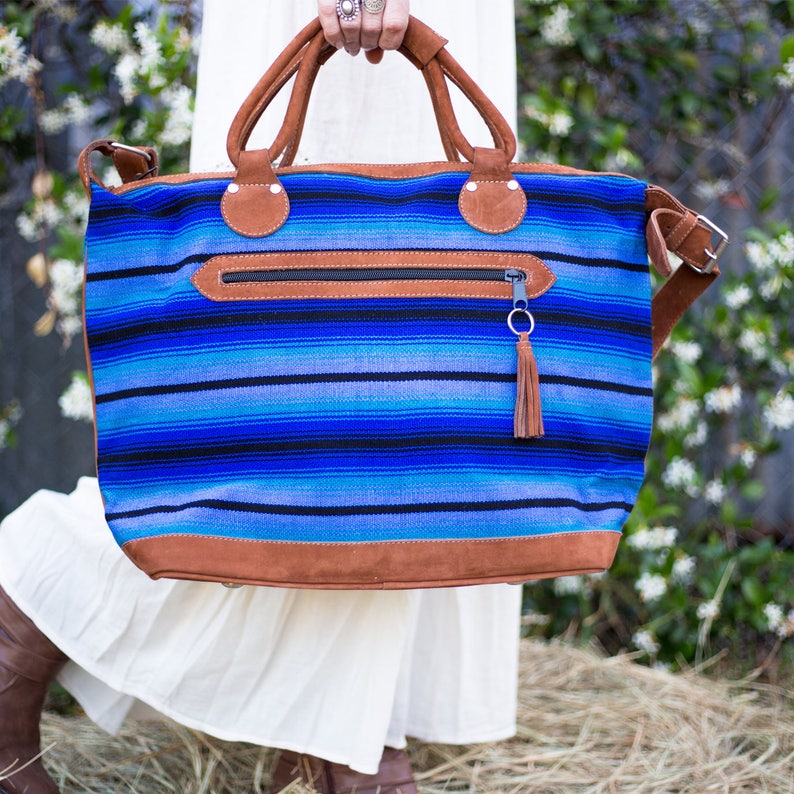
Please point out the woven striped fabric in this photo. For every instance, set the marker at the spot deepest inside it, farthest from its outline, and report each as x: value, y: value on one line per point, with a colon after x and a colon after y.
x: 319, y: 421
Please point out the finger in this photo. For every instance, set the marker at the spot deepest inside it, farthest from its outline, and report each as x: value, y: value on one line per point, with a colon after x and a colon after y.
x: 374, y: 56
x: 326, y: 11
x: 349, y: 14
x: 371, y: 22
x: 393, y: 24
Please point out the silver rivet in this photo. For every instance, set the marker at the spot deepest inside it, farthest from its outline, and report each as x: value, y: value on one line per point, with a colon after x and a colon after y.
x: 471, y: 186
x: 275, y: 188
x: 233, y: 188
x: 512, y: 185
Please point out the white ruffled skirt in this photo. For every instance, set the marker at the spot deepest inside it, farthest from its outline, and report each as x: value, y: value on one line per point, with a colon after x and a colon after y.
x: 334, y: 674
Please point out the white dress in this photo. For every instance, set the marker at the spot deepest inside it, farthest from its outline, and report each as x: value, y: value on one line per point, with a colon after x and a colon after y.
x: 334, y: 674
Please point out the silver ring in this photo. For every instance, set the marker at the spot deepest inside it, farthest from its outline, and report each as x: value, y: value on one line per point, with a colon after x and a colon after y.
x: 526, y: 314
x: 374, y: 6
x: 347, y: 10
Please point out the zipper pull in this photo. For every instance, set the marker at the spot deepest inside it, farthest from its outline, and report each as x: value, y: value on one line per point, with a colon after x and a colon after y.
x: 527, y: 417
x: 519, y: 281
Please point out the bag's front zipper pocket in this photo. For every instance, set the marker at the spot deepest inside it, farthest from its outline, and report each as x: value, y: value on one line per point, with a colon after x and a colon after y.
x: 293, y: 275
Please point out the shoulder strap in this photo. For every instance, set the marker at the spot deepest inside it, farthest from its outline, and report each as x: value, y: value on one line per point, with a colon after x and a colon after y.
x: 670, y: 226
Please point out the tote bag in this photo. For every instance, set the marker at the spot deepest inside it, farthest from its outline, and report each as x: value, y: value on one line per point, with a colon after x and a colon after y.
x: 368, y: 376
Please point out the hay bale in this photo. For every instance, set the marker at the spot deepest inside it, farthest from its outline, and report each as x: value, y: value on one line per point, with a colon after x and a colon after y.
x: 586, y: 725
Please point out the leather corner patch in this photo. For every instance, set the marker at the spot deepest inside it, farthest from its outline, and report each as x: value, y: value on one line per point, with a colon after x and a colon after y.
x: 255, y: 210
x: 494, y: 207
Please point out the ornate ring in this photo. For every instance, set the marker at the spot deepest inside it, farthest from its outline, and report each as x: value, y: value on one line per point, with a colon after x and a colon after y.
x: 374, y: 6
x: 347, y: 10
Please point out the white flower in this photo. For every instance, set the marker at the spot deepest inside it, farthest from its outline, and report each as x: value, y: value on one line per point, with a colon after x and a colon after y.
x: 753, y: 342
x: 78, y: 109
x: 151, y: 54
x: 560, y: 123
x: 69, y: 325
x: 127, y: 69
x: 708, y: 610
x: 680, y: 416
x: 774, y: 616
x: 645, y: 641
x: 15, y: 63
x: 723, y: 399
x: 787, y: 628
x: 75, y: 402
x: 748, y: 456
x: 36, y: 224
x: 77, y: 206
x: 758, y: 256
x: 66, y: 284
x: 708, y: 191
x: 738, y: 297
x: 769, y: 290
x: 785, y: 79
x: 779, y: 414
x: 653, y: 539
x: 74, y: 110
x: 714, y: 492
x: 651, y: 586
x: 688, y: 352
x: 681, y: 473
x: 555, y: 28
x: 53, y: 121
x: 683, y: 568
x: 179, y: 122
x: 698, y: 436
x: 111, y: 38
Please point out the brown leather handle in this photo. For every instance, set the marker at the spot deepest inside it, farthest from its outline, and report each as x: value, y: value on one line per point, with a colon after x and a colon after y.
x: 308, y: 51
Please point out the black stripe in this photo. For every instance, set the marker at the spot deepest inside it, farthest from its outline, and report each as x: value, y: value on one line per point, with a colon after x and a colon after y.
x: 366, y: 510
x: 137, y: 272
x: 360, y: 377
x: 600, y: 385
x: 310, y: 445
x: 111, y: 336
x: 293, y: 380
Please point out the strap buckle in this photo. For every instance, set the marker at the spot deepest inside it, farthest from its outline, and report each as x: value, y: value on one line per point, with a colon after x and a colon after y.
x: 141, y: 153
x: 133, y: 149
x: 716, y: 252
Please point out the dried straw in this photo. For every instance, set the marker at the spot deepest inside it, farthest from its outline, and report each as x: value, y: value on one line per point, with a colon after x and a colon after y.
x: 587, y: 724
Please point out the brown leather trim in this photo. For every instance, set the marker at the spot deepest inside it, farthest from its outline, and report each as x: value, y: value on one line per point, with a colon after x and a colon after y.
x: 369, y: 566
x: 492, y: 201
x: 209, y: 282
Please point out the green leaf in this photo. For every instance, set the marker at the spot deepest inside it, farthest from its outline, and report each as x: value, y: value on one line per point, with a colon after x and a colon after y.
x: 753, y: 592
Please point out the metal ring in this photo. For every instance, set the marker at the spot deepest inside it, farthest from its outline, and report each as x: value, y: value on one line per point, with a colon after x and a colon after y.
x: 374, y: 6
x: 347, y: 10
x: 520, y: 311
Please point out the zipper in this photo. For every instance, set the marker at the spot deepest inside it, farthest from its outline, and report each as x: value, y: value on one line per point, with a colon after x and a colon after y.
x: 517, y: 277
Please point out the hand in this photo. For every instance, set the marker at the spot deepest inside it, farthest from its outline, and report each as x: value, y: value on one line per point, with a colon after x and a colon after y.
x: 371, y: 32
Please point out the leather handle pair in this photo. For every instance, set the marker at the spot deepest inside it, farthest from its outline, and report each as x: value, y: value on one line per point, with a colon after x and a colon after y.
x: 306, y: 54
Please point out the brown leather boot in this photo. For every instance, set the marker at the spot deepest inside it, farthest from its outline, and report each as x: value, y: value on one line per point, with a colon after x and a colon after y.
x: 393, y: 777
x: 28, y: 662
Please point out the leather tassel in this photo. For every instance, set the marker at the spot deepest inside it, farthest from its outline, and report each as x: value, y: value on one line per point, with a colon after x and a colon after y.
x: 527, y: 420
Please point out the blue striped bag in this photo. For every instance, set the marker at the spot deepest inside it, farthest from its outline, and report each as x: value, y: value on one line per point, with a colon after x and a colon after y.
x: 376, y: 376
